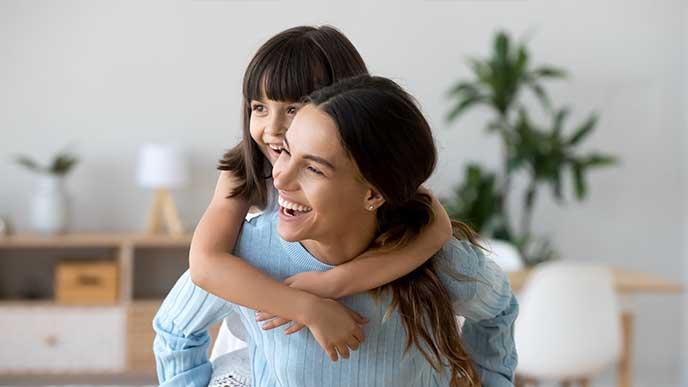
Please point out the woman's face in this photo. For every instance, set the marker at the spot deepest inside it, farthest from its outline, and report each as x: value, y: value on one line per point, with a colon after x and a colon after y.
x: 321, y: 193
x: 268, y: 122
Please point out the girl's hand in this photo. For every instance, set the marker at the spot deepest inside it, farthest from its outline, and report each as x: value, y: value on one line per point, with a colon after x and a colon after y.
x: 315, y: 282
x: 335, y: 327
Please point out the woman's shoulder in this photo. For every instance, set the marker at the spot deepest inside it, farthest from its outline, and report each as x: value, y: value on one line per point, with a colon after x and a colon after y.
x: 476, y: 284
x: 461, y: 256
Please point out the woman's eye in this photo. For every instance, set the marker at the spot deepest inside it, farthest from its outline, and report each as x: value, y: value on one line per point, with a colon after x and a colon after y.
x: 292, y: 110
x: 258, y: 108
x: 314, y: 170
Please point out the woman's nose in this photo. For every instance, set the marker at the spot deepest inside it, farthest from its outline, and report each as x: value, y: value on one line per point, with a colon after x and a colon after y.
x: 282, y: 176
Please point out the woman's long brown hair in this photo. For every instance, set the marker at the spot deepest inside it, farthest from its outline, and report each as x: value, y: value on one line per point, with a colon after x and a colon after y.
x: 387, y: 136
x: 287, y: 67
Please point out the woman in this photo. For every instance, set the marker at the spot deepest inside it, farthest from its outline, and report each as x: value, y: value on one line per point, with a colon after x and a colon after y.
x: 337, y: 199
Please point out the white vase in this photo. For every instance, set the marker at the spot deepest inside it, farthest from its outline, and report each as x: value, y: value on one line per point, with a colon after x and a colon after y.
x: 50, y: 205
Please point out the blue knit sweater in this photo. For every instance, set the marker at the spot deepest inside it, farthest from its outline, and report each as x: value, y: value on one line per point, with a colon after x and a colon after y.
x: 486, y: 301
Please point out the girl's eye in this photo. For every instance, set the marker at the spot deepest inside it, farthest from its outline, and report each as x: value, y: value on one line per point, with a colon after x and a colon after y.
x: 314, y: 170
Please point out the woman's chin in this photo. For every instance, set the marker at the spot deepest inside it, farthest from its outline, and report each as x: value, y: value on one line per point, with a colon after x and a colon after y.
x: 288, y: 233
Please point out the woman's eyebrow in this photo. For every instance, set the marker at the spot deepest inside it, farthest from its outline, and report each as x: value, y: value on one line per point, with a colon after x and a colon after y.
x: 313, y: 158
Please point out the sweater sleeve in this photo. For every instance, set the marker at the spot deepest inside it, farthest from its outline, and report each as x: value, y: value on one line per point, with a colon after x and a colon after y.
x: 481, y: 292
x: 182, y: 340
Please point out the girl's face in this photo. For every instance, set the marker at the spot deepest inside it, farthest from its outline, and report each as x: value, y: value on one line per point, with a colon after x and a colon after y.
x: 321, y: 193
x: 268, y: 122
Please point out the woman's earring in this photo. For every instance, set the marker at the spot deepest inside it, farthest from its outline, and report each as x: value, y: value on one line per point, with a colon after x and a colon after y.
x: 370, y: 207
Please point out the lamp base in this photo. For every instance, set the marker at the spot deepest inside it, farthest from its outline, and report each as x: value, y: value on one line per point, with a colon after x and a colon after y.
x: 163, y: 207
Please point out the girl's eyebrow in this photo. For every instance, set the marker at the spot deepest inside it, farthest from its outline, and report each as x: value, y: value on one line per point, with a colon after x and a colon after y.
x: 314, y: 158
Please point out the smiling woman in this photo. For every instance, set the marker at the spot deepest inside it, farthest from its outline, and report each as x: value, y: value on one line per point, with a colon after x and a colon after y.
x: 349, y: 179
x: 315, y: 172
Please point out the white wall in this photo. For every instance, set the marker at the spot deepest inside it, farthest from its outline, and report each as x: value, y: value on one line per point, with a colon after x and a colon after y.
x: 111, y: 75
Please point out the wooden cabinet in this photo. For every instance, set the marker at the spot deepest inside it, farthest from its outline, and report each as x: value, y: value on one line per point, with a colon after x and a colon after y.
x: 44, y: 336
x: 46, y: 339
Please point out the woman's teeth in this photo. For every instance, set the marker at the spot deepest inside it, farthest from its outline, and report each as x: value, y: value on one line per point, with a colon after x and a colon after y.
x: 292, y: 206
x: 276, y: 148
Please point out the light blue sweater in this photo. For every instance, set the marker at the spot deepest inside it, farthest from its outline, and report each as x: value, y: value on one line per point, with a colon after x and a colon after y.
x: 487, y: 303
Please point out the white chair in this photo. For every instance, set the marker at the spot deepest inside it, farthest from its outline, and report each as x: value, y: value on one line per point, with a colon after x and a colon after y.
x: 503, y: 254
x: 568, y: 326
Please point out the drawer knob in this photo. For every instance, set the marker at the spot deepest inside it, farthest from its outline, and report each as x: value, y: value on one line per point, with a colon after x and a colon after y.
x: 50, y: 341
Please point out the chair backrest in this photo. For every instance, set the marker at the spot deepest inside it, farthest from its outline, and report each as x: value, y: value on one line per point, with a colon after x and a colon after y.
x: 569, y: 323
x: 504, y: 254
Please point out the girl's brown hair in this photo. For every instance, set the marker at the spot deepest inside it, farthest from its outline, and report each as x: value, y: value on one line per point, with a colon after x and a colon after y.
x: 287, y: 67
x: 387, y: 136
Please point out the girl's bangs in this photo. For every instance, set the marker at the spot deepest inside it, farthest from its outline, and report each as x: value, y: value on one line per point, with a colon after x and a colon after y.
x: 288, y: 73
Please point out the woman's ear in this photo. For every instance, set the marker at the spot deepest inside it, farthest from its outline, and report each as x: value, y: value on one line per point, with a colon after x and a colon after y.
x: 373, y: 199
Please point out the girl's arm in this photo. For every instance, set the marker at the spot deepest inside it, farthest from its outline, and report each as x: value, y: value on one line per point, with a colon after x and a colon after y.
x: 229, y: 277
x: 369, y: 270
x: 374, y: 269
x: 335, y: 327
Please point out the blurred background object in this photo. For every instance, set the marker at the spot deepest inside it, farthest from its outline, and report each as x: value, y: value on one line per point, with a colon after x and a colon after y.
x: 50, y: 203
x: 162, y: 168
x: 546, y: 156
x: 568, y: 325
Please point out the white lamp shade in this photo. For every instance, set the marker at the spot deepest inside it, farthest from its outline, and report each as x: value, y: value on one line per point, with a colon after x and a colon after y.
x: 162, y: 166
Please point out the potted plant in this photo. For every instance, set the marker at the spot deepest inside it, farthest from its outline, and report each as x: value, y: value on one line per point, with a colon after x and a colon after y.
x: 50, y: 205
x: 544, y: 154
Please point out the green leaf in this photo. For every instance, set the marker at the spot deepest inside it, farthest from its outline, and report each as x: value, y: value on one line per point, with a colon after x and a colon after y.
x: 559, y: 119
x: 556, y: 185
x: 463, y: 105
x: 63, y: 163
x: 579, y: 181
x: 549, y: 72
x: 529, y: 199
x: 583, y: 130
x: 541, y: 95
x: 502, y: 47
x: 28, y: 163
x: 463, y: 88
x: 599, y: 160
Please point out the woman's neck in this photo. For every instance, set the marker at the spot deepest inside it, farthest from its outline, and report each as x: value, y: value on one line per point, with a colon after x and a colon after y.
x: 343, y: 247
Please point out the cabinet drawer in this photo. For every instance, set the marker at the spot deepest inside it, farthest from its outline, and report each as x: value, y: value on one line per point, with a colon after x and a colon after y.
x: 49, y: 338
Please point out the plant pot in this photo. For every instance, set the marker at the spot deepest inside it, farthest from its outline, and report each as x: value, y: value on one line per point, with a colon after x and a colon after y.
x: 50, y: 206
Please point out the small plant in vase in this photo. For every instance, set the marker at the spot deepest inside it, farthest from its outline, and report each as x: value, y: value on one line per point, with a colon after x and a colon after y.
x: 50, y: 205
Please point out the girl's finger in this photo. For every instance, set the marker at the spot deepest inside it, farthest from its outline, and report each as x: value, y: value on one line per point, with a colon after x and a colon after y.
x: 262, y: 316
x: 359, y: 319
x: 294, y: 328
x: 353, y: 344
x: 332, y: 353
x: 359, y: 335
x: 343, y: 351
x: 274, y: 323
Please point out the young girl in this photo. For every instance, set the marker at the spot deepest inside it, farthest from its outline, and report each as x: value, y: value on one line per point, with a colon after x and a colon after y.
x: 338, y: 198
x: 286, y: 68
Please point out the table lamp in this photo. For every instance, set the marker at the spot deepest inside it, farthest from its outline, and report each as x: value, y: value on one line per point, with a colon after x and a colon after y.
x: 162, y: 167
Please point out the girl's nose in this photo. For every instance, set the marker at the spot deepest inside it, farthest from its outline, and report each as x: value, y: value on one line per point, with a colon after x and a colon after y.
x: 277, y: 125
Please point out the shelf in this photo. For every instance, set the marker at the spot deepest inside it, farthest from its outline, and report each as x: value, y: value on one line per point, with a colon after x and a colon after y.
x: 94, y: 240
x: 51, y: 304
